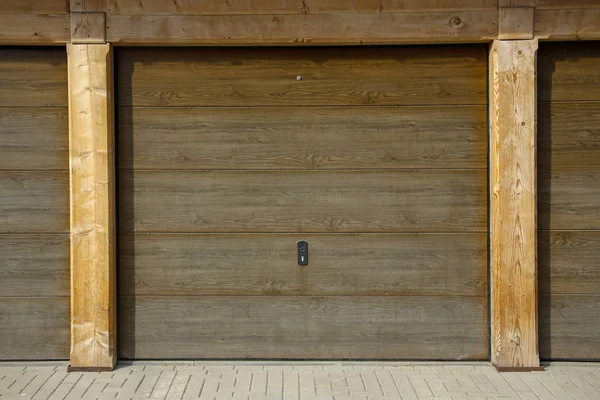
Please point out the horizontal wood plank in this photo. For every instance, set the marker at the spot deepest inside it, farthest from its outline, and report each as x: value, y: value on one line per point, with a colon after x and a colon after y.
x: 35, y: 7
x: 562, y: 4
x: 34, y: 202
x: 34, y: 328
x: 395, y: 327
x: 569, y: 327
x: 568, y: 262
x: 311, y: 29
x: 286, y: 201
x: 34, y: 29
x: 263, y: 77
x: 152, y: 7
x: 253, y: 264
x: 569, y: 72
x: 569, y: 134
x: 32, y: 77
x: 571, y: 24
x: 34, y: 138
x: 302, y: 138
x: 568, y: 198
x: 34, y: 265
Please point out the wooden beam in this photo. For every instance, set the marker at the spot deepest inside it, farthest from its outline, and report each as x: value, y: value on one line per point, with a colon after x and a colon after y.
x: 91, y: 149
x: 317, y: 29
x: 34, y: 29
x: 572, y: 24
x: 88, y: 5
x: 88, y: 27
x: 516, y: 23
x: 513, y: 205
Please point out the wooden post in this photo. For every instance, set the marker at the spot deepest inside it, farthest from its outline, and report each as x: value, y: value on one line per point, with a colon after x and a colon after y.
x: 513, y: 208
x: 92, y: 191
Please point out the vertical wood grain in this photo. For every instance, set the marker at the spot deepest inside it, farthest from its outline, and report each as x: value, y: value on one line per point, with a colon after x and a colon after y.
x: 513, y: 204
x: 93, y: 288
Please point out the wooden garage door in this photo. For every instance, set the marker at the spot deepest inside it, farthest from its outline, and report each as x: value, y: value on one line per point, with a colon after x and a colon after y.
x: 375, y: 156
x: 34, y: 205
x: 569, y: 201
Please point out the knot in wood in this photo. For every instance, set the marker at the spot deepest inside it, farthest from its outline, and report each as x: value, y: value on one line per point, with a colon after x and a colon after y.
x: 456, y: 21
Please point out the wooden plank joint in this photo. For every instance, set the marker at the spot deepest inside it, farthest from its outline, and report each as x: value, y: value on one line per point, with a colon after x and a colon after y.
x: 516, y: 23
x: 88, y: 27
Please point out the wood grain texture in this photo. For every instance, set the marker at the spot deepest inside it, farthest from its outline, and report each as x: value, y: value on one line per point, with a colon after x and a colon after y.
x: 33, y: 77
x: 88, y: 27
x: 341, y: 76
x: 302, y: 138
x: 568, y: 198
x: 34, y: 265
x: 88, y: 5
x: 513, y: 211
x: 34, y: 202
x: 34, y: 29
x: 287, y: 202
x: 311, y: 29
x: 153, y: 7
x: 571, y: 24
x: 35, y: 7
x: 569, y: 327
x: 34, y: 328
x: 568, y: 262
x: 411, y: 327
x: 569, y: 72
x: 93, y: 257
x: 572, y: 4
x: 516, y: 23
x: 251, y: 264
x: 569, y: 135
x: 34, y: 138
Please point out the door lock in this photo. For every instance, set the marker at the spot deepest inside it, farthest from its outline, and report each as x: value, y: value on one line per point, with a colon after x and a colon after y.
x: 302, y: 253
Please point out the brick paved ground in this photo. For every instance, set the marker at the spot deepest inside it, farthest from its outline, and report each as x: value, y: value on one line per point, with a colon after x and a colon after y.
x: 332, y: 381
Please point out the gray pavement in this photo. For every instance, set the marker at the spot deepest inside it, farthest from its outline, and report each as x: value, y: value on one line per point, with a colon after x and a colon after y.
x: 298, y: 381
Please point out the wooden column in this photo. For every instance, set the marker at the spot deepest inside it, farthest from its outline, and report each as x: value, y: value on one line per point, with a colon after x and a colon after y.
x: 92, y: 191
x: 513, y: 208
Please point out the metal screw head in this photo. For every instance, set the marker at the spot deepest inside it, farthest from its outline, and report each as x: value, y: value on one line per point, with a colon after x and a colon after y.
x: 298, y: 78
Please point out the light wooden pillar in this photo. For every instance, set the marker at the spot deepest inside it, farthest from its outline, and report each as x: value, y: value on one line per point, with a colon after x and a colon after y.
x: 92, y: 191
x: 513, y: 208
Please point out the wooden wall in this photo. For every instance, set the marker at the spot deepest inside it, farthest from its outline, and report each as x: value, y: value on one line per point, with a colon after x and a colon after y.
x: 34, y: 204
x: 569, y: 200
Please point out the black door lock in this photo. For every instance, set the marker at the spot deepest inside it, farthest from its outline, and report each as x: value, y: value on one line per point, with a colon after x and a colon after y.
x: 302, y: 253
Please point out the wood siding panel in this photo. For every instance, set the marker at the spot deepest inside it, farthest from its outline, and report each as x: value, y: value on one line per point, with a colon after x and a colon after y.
x: 569, y: 24
x: 569, y: 72
x: 338, y: 265
x: 34, y: 29
x: 34, y: 202
x: 569, y: 327
x: 569, y: 262
x: 302, y: 138
x: 572, y: 4
x: 33, y: 77
x: 34, y: 138
x: 34, y: 265
x: 34, y: 328
x: 286, y: 201
x: 150, y: 7
x: 263, y: 77
x: 413, y: 327
x: 35, y: 7
x: 569, y: 135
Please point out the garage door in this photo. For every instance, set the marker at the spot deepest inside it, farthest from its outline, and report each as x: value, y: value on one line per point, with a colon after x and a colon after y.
x: 34, y: 205
x: 376, y: 157
x: 569, y: 197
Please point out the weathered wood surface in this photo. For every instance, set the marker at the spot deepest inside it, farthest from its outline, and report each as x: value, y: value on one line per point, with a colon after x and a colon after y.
x: 569, y: 135
x: 35, y: 7
x: 34, y: 138
x: 562, y: 4
x: 34, y: 328
x: 412, y: 327
x: 34, y: 202
x: 572, y: 24
x: 513, y: 211
x: 34, y: 29
x: 250, y: 264
x: 32, y: 77
x: 569, y: 328
x: 93, y: 257
x: 569, y: 262
x: 88, y: 5
x: 153, y: 7
x: 302, y: 138
x: 34, y: 265
x: 312, y: 29
x: 287, y: 202
x: 569, y: 72
x: 88, y: 27
x: 263, y: 77
x: 516, y: 23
